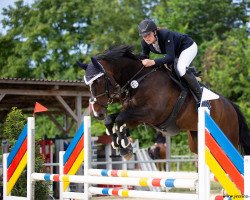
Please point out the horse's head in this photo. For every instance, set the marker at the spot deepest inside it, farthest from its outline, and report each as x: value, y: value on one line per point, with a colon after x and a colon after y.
x: 101, y: 86
x: 154, y: 152
x: 106, y: 74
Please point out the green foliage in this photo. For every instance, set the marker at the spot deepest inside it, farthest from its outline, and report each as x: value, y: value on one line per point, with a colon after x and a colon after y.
x: 119, y: 25
x: 202, y: 19
x: 12, y: 127
x: 144, y: 134
x: 226, y: 63
x: 116, y: 107
x: 97, y: 127
x: 179, y: 144
x: 48, y: 37
x: 46, y: 128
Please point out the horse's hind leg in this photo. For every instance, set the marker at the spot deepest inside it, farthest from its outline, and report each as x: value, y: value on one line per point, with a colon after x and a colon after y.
x: 193, y: 141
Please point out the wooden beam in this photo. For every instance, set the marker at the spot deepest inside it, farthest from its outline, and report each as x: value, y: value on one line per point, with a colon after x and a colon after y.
x: 1, y: 96
x: 79, y: 110
x: 26, y: 82
x: 66, y: 107
x: 30, y: 92
x: 69, y: 124
x: 58, y: 125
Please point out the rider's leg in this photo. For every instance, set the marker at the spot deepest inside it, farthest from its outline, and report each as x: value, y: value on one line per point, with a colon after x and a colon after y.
x: 185, y: 59
x: 193, y: 84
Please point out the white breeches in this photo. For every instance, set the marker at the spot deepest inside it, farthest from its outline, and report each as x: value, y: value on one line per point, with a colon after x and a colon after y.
x: 185, y: 58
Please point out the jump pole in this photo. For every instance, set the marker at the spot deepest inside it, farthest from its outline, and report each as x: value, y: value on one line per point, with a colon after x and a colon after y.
x: 203, y: 170
x: 247, y: 177
x: 203, y: 189
x: 87, y: 153
x: 31, y: 158
x: 90, y: 179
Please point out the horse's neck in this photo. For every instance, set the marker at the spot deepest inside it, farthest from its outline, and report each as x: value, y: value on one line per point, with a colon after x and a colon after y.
x: 124, y: 71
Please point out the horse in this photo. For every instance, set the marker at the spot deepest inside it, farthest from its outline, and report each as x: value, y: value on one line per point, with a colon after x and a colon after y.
x: 153, y: 96
x: 156, y: 152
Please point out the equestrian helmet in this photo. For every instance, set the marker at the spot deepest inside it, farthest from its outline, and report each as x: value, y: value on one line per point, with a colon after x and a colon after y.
x: 146, y: 26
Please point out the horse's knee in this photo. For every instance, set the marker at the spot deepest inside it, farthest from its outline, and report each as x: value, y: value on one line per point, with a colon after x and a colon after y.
x: 119, y: 120
x: 108, y: 121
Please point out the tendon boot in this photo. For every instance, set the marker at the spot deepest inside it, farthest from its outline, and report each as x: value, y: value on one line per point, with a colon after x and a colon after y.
x: 195, y: 88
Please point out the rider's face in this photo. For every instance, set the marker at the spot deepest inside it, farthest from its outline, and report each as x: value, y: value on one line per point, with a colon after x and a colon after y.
x: 149, y: 38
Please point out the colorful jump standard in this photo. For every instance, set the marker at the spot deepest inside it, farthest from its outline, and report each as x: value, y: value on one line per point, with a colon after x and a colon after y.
x: 230, y: 177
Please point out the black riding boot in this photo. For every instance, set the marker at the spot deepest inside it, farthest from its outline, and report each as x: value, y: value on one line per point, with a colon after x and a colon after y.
x: 195, y: 87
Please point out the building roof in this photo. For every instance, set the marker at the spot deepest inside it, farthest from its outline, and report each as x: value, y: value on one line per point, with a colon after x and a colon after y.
x: 59, y: 96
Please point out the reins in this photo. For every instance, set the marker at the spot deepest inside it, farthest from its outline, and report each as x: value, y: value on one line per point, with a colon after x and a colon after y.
x: 123, y: 89
x: 131, y: 79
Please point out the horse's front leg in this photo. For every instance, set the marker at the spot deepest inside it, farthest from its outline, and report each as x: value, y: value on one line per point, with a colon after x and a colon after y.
x: 117, y: 136
x: 132, y: 116
x: 123, y: 135
x: 111, y: 129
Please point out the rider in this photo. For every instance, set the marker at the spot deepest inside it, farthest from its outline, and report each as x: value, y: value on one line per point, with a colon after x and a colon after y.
x: 172, y: 45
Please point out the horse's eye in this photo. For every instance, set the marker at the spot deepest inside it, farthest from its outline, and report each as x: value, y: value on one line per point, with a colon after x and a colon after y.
x: 92, y: 100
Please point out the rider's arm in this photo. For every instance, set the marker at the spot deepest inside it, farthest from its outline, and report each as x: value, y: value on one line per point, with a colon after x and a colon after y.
x: 167, y: 59
x: 168, y: 41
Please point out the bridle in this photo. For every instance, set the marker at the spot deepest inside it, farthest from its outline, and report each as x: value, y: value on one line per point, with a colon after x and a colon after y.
x: 117, y: 90
x: 110, y: 95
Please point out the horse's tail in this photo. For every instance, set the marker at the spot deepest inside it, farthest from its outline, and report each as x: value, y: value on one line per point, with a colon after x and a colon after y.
x: 244, y: 135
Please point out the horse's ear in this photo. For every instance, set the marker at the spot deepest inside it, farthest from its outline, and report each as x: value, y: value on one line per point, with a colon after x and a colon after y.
x: 82, y: 65
x: 97, y: 64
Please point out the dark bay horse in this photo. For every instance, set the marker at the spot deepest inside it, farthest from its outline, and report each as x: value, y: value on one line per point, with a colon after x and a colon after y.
x: 149, y: 95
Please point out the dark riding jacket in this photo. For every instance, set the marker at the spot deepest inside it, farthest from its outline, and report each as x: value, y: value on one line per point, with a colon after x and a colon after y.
x: 171, y: 44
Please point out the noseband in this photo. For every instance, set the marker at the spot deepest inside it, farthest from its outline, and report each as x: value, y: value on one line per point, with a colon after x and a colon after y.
x: 110, y: 96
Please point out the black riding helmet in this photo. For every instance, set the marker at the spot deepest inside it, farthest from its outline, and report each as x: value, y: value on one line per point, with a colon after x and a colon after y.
x: 146, y: 26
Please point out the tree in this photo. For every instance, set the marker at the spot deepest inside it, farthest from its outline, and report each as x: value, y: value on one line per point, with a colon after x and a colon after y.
x: 226, y: 64
x: 119, y: 26
x: 12, y: 127
x: 202, y: 19
x: 48, y: 37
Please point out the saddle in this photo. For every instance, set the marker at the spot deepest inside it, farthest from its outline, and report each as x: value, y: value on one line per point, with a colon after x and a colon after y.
x: 169, y: 127
x: 174, y: 74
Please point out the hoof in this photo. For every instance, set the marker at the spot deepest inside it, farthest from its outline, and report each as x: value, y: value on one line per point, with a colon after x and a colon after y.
x: 127, y: 153
x: 128, y: 156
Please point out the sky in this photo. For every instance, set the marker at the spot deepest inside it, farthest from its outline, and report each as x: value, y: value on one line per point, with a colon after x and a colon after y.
x: 6, y: 3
